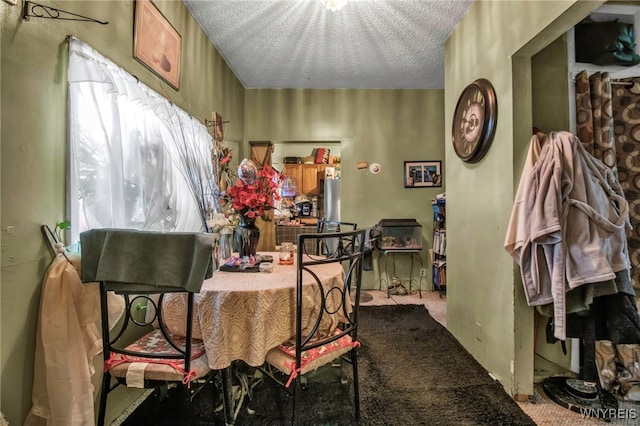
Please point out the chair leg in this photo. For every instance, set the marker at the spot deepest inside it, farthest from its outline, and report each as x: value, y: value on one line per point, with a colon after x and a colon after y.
x: 294, y: 394
x: 227, y: 395
x: 106, y: 383
x: 279, y: 402
x: 339, y: 363
x: 186, y: 403
x: 163, y: 392
x: 356, y: 389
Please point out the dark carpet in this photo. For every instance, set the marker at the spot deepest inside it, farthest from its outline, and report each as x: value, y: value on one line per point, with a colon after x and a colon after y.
x: 412, y: 372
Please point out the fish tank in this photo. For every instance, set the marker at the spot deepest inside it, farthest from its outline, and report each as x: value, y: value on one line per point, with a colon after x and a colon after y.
x: 400, y: 234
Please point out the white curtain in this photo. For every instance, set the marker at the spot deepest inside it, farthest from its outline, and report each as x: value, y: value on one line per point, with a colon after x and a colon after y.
x: 136, y: 160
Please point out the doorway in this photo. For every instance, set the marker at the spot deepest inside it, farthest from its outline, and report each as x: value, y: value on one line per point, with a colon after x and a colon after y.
x: 540, y: 99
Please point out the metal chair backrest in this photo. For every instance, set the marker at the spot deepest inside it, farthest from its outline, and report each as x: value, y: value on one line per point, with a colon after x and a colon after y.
x: 333, y: 246
x: 140, y: 265
x: 345, y: 296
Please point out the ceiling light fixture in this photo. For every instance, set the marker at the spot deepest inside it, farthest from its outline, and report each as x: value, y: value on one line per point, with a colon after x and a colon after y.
x: 334, y: 5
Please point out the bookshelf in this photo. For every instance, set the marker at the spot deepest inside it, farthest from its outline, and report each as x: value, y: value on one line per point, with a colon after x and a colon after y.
x: 438, y: 251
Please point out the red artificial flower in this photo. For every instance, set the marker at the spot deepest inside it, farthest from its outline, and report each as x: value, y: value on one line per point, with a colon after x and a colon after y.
x: 256, y: 199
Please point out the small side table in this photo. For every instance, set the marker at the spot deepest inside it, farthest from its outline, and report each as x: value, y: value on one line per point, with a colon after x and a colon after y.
x: 389, y: 256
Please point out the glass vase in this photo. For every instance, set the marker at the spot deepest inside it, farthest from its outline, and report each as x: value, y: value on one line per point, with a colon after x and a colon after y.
x: 286, y: 254
x: 247, y: 235
x: 225, y: 250
x: 216, y: 247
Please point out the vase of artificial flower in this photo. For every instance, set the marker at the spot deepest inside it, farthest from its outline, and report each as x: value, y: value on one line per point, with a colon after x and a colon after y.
x: 247, y: 235
x: 253, y: 195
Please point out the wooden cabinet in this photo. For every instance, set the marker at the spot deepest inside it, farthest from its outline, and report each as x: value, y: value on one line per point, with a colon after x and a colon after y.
x: 309, y: 176
x: 294, y: 171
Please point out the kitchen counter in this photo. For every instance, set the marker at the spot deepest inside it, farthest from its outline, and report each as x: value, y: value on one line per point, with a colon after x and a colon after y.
x: 306, y: 221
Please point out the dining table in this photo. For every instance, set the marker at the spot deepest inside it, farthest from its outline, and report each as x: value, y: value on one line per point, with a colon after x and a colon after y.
x: 243, y: 315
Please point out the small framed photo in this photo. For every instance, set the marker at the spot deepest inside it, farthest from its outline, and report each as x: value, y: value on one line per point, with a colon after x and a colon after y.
x: 156, y: 44
x: 330, y: 173
x: 422, y: 174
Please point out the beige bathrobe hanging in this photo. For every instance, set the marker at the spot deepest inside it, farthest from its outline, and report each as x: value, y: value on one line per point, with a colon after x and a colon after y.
x: 576, y: 219
x: 67, y: 340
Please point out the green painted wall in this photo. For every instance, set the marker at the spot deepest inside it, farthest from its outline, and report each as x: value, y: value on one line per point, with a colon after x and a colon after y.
x: 33, y: 134
x: 485, y: 303
x: 381, y: 126
x: 550, y: 112
x: 496, y: 40
x: 550, y: 91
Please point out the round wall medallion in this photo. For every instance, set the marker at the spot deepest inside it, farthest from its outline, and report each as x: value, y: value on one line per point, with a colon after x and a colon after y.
x: 474, y: 121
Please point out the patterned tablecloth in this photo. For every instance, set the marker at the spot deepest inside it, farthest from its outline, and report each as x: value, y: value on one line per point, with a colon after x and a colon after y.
x: 241, y: 316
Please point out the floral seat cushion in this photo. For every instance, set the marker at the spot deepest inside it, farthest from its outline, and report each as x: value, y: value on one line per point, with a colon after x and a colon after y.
x: 158, y: 368
x: 283, y: 357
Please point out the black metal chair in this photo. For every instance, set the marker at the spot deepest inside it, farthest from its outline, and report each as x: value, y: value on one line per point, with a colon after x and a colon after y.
x: 134, y: 264
x: 333, y: 246
x: 314, y: 343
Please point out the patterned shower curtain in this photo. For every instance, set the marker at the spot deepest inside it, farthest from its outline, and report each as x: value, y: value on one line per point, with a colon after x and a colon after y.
x: 626, y: 112
x: 594, y: 116
x: 608, y: 119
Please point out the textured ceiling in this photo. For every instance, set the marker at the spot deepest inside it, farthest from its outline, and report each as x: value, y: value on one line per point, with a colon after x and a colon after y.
x: 369, y: 44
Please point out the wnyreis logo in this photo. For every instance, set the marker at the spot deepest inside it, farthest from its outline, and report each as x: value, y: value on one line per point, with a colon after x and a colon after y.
x: 609, y: 413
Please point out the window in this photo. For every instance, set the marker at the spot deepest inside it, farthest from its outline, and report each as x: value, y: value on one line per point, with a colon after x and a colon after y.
x: 136, y: 160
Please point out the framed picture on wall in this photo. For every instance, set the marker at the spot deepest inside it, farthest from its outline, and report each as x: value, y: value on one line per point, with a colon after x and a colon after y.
x: 422, y: 174
x: 218, y: 129
x: 156, y: 44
